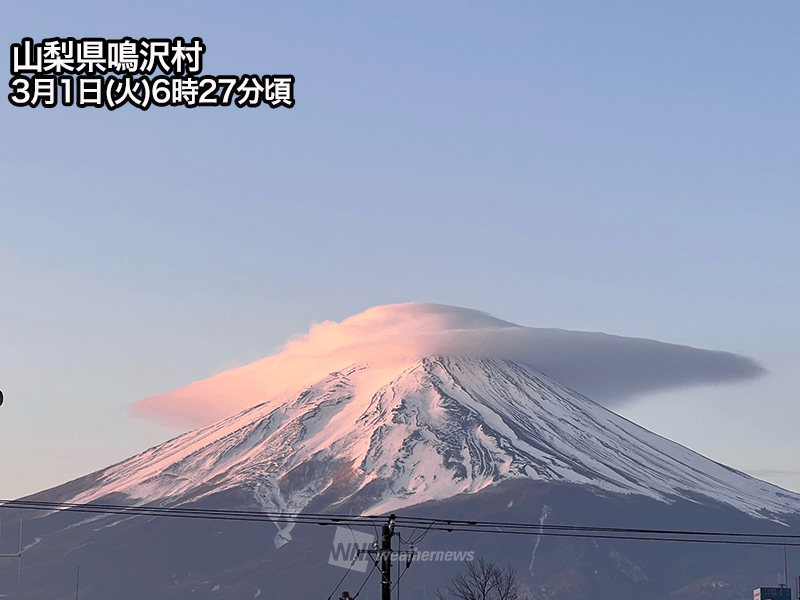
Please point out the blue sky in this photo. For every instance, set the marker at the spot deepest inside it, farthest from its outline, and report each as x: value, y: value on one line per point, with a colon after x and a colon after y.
x: 621, y: 167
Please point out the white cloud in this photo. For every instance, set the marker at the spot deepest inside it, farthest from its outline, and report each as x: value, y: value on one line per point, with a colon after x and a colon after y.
x: 609, y: 369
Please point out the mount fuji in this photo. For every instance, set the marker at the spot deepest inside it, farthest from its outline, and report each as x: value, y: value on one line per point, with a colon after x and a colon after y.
x: 477, y: 436
x: 443, y: 427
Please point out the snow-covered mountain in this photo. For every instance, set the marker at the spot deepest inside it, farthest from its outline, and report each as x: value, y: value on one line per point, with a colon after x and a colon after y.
x: 436, y: 437
x: 443, y: 426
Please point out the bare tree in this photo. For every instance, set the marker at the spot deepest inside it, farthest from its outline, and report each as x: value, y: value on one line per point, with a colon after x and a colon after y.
x: 484, y: 581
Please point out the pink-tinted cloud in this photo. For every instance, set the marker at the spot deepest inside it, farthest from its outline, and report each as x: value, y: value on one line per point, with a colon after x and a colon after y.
x: 608, y: 369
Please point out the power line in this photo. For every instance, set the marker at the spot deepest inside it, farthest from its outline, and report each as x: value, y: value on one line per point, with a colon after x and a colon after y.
x: 347, y: 572
x: 366, y: 579
x: 452, y: 523
x: 629, y: 537
x: 447, y: 525
x: 338, y: 585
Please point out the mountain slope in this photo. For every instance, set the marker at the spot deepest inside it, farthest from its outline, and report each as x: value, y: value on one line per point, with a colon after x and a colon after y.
x: 460, y: 438
x: 443, y: 426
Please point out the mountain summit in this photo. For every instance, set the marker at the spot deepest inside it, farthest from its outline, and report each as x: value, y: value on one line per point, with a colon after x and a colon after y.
x: 442, y: 427
x: 426, y: 411
x: 608, y: 369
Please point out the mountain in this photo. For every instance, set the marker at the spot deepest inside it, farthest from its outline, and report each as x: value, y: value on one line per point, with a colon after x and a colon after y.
x: 481, y: 438
x: 444, y: 426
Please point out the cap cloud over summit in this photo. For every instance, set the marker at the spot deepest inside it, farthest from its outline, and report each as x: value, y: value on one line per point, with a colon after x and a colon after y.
x: 611, y: 370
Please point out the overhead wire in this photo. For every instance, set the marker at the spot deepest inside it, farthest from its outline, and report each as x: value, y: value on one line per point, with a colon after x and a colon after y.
x: 366, y: 579
x: 448, y: 525
x: 347, y: 572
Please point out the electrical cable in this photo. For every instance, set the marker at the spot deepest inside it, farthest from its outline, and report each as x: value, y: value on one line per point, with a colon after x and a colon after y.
x: 449, y: 525
x: 347, y: 572
x: 366, y: 579
x: 341, y: 581
x: 424, y: 533
x: 628, y: 537
x: 539, y: 526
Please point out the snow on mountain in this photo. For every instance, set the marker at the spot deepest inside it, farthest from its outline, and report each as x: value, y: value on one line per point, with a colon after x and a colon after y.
x: 440, y: 427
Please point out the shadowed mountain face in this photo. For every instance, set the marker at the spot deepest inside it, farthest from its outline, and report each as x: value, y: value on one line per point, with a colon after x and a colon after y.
x: 460, y: 438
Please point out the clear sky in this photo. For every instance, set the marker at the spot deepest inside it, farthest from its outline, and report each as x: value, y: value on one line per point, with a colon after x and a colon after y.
x: 623, y: 167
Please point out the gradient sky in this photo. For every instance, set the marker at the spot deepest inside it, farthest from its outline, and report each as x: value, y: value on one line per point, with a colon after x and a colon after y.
x: 623, y: 167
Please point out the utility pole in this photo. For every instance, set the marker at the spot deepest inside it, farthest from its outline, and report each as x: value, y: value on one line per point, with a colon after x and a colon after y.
x: 386, y: 559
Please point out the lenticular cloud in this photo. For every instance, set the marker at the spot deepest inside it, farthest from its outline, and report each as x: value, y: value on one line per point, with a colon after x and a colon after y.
x: 609, y: 369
